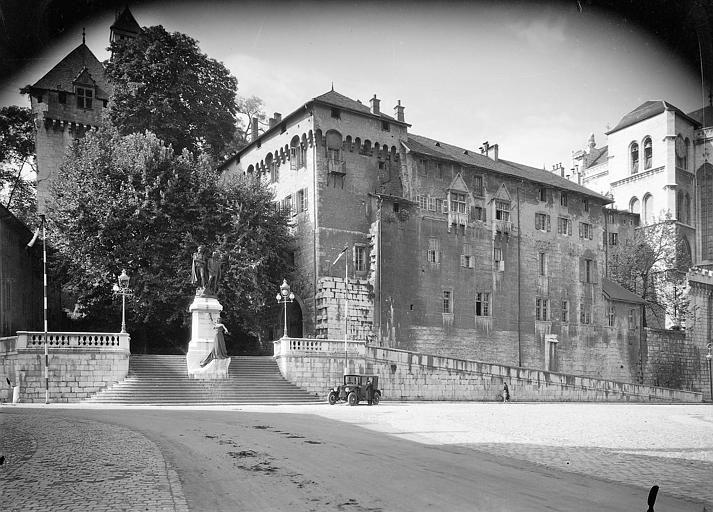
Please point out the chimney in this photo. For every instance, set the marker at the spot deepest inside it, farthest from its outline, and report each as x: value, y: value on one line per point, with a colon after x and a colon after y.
x: 271, y: 122
x: 278, y: 117
x: 253, y: 130
x: 493, y: 152
x: 399, y: 112
x: 375, y: 105
x: 484, y: 148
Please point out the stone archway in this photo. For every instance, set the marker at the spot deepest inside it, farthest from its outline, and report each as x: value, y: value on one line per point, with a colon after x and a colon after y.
x: 294, y: 320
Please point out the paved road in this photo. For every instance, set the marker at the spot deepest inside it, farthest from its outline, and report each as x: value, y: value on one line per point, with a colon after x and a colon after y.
x: 317, y: 457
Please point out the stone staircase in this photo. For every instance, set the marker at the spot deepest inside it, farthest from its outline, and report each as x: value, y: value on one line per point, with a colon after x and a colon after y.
x: 163, y: 380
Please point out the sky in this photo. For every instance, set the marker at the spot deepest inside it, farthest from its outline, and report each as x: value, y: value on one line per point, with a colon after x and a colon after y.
x: 535, y: 78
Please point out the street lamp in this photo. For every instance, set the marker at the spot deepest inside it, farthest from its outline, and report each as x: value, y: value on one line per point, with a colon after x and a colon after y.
x: 284, y: 297
x: 122, y: 288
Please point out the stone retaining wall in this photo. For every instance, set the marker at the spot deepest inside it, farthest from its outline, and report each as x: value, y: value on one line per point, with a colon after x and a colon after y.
x: 76, y: 370
x: 407, y: 375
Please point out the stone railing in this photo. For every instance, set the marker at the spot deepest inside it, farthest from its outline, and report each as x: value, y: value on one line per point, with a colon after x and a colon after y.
x: 296, y: 346
x: 28, y: 340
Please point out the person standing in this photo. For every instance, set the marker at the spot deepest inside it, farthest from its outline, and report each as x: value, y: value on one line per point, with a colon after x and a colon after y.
x: 369, y: 391
x: 219, y: 351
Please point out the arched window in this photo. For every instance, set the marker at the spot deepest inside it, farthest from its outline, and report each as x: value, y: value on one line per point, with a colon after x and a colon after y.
x: 334, y: 146
x: 687, y: 209
x: 298, y: 154
x: 648, y: 152
x: 634, y: 157
x: 704, y: 209
x: 681, y: 150
x: 683, y: 255
x: 634, y: 205
x: 272, y: 168
x: 251, y: 169
x: 679, y: 207
x: 648, y: 209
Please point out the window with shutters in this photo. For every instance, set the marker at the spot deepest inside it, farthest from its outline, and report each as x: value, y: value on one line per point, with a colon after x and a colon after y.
x: 467, y: 260
x: 434, y: 250
x: 542, y: 222
x: 585, y: 203
x: 613, y: 238
x: 585, y: 314
x: 542, y: 194
x: 301, y: 200
x: 563, y: 199
x: 478, y: 189
x: 564, y: 226
x: 477, y: 213
x: 588, y: 271
x: 431, y: 204
x: 611, y: 317
x: 482, y: 304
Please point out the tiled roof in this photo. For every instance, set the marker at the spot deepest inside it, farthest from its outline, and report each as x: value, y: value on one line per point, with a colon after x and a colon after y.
x: 704, y: 115
x: 645, y: 111
x: 425, y: 146
x: 339, y: 100
x: 618, y: 293
x: 62, y: 76
x: 599, y: 158
x: 125, y: 21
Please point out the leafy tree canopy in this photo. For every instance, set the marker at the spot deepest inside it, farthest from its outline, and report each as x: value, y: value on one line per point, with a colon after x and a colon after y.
x: 164, y: 83
x: 17, y: 162
x: 131, y: 202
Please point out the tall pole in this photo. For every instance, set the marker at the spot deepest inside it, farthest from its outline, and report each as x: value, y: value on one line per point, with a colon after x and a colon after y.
x: 123, y: 314
x: 346, y: 310
x: 44, y: 296
x: 284, y: 331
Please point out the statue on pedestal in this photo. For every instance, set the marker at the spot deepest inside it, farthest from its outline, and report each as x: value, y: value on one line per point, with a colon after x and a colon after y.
x: 219, y: 351
x: 206, y: 272
x: 199, y: 270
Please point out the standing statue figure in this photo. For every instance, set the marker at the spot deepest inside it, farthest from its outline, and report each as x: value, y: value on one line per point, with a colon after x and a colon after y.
x: 215, y: 272
x: 219, y: 351
x: 199, y: 273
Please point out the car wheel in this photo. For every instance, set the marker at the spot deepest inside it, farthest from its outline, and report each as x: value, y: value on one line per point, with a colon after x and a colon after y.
x: 352, y: 398
x: 377, y: 398
x: 333, y: 398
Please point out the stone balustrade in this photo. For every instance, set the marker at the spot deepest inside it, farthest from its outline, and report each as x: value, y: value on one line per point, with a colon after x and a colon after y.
x: 294, y: 346
x: 80, y: 363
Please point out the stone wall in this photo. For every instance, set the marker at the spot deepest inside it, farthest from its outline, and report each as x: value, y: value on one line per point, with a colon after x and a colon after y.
x: 317, y: 365
x: 76, y: 370
x: 672, y: 360
x: 332, y: 308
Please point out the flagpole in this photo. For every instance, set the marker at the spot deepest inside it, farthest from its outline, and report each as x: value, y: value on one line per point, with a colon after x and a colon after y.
x: 44, y: 294
x: 346, y: 310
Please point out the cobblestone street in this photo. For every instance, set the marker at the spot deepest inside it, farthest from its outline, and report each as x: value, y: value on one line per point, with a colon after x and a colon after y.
x: 54, y: 461
x: 60, y: 464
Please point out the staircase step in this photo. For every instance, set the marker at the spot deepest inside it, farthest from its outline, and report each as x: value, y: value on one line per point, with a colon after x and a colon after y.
x: 159, y: 379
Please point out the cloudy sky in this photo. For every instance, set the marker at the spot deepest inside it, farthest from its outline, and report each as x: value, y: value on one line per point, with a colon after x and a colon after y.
x: 536, y: 78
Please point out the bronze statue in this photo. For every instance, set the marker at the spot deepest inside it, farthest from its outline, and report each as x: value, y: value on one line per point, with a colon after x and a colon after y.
x: 215, y: 272
x: 199, y: 271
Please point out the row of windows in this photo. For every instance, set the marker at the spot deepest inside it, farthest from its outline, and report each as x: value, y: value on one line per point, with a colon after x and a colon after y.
x: 294, y: 203
x: 543, y: 310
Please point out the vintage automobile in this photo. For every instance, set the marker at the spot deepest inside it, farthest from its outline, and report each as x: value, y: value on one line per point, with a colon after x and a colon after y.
x: 353, y: 390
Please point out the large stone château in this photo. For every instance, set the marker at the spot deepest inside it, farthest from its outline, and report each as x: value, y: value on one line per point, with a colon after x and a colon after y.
x: 452, y: 251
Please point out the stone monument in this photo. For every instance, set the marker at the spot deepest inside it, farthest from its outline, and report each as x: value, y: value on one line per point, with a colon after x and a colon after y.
x: 205, y: 315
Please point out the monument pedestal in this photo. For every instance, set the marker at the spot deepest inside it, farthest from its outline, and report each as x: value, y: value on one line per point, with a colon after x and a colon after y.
x: 204, y: 313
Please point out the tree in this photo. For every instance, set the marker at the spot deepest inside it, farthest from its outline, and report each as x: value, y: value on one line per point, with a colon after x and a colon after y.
x: 131, y: 202
x: 17, y: 160
x: 652, y: 264
x: 164, y: 83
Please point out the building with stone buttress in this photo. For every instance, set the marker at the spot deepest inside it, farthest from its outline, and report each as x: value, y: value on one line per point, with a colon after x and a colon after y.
x: 70, y: 99
x: 451, y: 251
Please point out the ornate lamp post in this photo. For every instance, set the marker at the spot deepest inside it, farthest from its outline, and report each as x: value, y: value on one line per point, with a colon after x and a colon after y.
x: 121, y: 287
x: 284, y: 297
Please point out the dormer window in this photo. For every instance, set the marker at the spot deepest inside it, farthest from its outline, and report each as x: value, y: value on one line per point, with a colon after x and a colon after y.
x: 457, y: 202
x: 84, y: 97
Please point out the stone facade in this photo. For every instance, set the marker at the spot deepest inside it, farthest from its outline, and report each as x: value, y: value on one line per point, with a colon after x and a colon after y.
x: 450, y: 251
